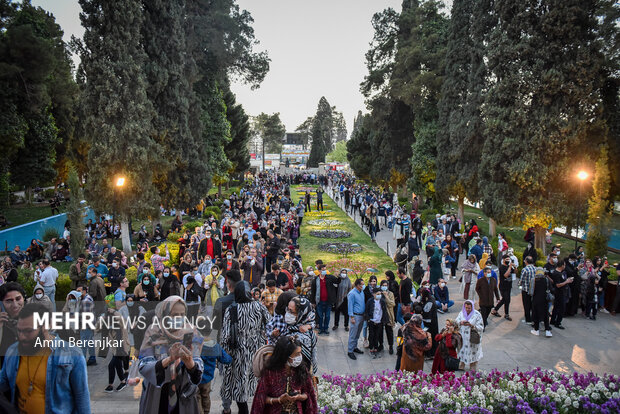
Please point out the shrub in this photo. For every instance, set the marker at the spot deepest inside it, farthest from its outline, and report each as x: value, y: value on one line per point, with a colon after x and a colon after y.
x: 173, y: 248
x: 428, y: 215
x: 191, y: 225
x: 26, y: 279
x: 50, y: 233
x: 63, y: 287
x: 132, y: 276
x: 174, y: 237
x: 212, y: 210
x: 49, y: 193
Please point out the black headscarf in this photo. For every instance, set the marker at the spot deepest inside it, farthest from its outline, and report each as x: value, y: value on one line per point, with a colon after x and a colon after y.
x: 283, y: 301
x: 149, y: 290
x: 243, y: 292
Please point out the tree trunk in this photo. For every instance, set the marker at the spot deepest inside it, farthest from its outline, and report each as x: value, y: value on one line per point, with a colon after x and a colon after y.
x: 461, y: 210
x: 540, y: 234
x: 28, y: 195
x: 125, y: 236
x: 492, y: 226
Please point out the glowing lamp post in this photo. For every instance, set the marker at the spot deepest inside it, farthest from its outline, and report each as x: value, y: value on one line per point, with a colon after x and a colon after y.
x: 582, y: 176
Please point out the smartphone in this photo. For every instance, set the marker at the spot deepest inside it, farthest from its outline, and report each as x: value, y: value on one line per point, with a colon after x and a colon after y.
x: 187, y: 339
x: 293, y: 393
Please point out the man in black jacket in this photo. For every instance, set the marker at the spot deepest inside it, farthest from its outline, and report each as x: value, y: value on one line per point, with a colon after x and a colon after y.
x: 323, y: 295
x: 272, y: 249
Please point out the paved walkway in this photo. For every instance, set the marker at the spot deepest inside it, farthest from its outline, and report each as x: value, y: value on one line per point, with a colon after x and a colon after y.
x: 584, y: 346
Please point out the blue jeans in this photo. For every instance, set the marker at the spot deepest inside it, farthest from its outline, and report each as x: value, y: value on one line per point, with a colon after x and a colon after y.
x: 601, y: 299
x: 50, y: 292
x: 354, y: 331
x: 438, y: 303
x: 399, y: 315
x: 323, y: 310
x: 87, y: 334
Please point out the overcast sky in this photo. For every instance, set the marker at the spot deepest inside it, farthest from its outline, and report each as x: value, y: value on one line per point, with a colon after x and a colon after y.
x: 316, y: 48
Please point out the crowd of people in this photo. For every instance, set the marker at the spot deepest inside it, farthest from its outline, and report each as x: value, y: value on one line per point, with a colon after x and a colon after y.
x: 265, y: 310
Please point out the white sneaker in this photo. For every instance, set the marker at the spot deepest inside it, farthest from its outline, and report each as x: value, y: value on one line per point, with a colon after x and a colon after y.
x: 533, y: 332
x: 548, y: 334
x: 603, y: 310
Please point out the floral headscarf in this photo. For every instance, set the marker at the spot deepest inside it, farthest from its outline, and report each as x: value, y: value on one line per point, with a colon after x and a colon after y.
x: 466, y: 315
x: 305, y: 316
x: 159, y: 338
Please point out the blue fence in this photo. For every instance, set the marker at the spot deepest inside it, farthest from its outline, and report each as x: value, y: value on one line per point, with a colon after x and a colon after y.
x: 21, y: 235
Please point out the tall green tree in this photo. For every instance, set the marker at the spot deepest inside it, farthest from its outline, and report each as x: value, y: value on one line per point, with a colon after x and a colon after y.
x: 272, y: 131
x: 237, y: 150
x: 305, y: 129
x: 75, y: 213
x: 542, y: 109
x: 461, y: 128
x: 322, y: 133
x: 118, y: 112
x: 37, y: 94
x: 599, y: 208
x: 182, y: 178
x: 359, y: 149
x: 339, y: 153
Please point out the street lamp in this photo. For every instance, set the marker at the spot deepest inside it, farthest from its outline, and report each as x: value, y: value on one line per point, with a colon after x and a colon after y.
x: 582, y: 176
x: 119, y: 184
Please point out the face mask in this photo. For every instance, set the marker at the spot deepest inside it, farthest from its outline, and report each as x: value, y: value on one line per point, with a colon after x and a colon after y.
x: 488, y: 274
x: 214, y: 273
x: 378, y: 296
x: 442, y: 285
x: 384, y: 288
x: 363, y: 287
x: 166, y: 274
x: 554, y: 261
x: 228, y: 256
x: 130, y: 304
x: 146, y: 281
x: 572, y: 262
x: 323, y: 272
x: 289, y: 318
x: 146, y: 271
x: 38, y: 295
x: 343, y: 275
x: 295, y: 362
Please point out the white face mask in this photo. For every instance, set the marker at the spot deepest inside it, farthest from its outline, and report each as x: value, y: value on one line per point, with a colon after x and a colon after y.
x: 295, y: 362
x: 378, y: 296
x: 442, y: 285
x: 38, y: 295
x: 228, y: 256
x: 488, y: 274
x: 114, y: 264
x: 343, y: 275
x: 289, y: 318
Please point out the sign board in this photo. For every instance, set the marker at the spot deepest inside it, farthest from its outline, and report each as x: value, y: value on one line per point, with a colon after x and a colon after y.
x: 272, y: 156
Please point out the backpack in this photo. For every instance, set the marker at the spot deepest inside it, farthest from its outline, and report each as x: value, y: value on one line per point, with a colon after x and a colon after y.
x: 109, y: 300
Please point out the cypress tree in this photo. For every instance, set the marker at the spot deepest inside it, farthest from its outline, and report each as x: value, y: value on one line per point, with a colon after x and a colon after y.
x: 182, y: 177
x: 321, y: 133
x: 541, y: 110
x: 118, y: 112
x: 237, y: 149
x: 75, y: 213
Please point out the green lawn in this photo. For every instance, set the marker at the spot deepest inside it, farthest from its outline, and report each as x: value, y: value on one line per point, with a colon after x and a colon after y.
x: 308, y: 245
x: 23, y: 213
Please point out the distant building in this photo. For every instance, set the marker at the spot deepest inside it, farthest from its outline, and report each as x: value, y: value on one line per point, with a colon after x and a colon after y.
x: 293, y: 138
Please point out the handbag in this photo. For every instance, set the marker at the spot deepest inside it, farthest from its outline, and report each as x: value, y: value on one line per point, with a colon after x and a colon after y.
x: 233, y: 338
x: 550, y: 296
x: 452, y: 364
x: 474, y: 336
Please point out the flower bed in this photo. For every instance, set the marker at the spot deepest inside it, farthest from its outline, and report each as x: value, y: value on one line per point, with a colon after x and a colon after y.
x: 330, y: 234
x: 536, y: 391
x: 318, y: 214
x: 304, y: 189
x: 340, y: 248
x: 356, y: 266
x: 325, y: 222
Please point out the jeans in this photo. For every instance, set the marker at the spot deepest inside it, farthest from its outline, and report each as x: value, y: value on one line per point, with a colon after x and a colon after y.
x: 354, y: 332
x: 50, y: 292
x: 204, y: 397
x: 87, y: 334
x: 601, y: 298
x: 399, y: 315
x: 485, y: 311
x: 505, y: 301
x: 439, y: 304
x: 527, y: 306
x: 375, y: 331
x: 559, y: 306
x: 323, y: 311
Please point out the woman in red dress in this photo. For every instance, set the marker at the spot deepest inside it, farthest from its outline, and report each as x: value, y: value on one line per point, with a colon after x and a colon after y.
x: 450, y: 342
x: 286, y: 385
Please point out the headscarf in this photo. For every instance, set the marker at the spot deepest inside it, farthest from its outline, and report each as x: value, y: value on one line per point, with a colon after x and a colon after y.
x: 149, y: 290
x: 159, y: 338
x: 468, y: 265
x: 344, y: 287
x: 243, y: 292
x: 305, y: 316
x: 414, y: 337
x: 485, y: 240
x: 283, y: 301
x: 466, y: 315
x: 483, y: 261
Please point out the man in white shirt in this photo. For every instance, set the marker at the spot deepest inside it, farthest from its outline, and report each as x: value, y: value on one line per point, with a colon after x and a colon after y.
x: 47, y: 277
x: 376, y: 316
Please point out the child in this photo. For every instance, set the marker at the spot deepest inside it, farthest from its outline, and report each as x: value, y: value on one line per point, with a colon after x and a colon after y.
x: 212, y: 353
